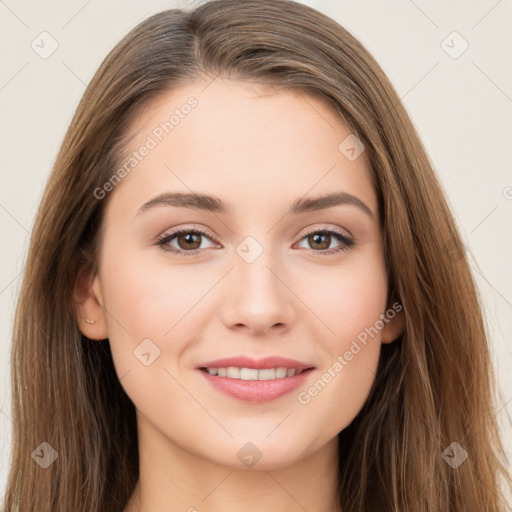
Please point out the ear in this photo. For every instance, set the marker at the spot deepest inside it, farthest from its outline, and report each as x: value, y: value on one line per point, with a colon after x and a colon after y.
x: 88, y: 302
x: 394, y: 326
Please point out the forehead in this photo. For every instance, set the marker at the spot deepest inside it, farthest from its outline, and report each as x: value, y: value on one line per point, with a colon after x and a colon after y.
x: 241, y: 140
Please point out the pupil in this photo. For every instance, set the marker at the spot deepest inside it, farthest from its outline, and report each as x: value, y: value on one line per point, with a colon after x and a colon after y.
x: 317, y: 239
x: 190, y: 238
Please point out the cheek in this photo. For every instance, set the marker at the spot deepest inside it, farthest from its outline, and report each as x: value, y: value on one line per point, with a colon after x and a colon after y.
x: 160, y: 303
x: 154, y: 316
x: 350, y: 303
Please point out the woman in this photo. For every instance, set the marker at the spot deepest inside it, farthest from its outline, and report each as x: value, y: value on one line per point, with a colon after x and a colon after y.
x: 245, y: 288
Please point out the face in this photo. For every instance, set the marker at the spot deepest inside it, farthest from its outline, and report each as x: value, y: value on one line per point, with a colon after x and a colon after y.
x: 255, y: 276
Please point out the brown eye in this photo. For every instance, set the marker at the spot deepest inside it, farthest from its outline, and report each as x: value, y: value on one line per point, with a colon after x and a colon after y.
x: 184, y: 241
x: 190, y: 240
x: 319, y: 240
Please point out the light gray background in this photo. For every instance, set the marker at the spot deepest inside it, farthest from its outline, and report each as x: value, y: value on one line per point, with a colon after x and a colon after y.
x: 462, y: 108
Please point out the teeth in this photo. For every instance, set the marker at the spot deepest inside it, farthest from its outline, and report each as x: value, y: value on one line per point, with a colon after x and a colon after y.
x: 248, y: 374
x: 233, y: 372
x: 280, y: 373
x: 267, y: 374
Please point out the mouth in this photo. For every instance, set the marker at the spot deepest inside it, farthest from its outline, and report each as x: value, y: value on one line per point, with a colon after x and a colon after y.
x: 255, y: 380
x: 235, y: 372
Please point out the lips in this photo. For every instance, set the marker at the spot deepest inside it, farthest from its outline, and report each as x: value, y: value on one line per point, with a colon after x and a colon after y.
x: 255, y: 380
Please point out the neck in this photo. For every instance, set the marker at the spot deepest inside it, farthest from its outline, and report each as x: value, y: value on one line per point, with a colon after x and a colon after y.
x: 173, y: 479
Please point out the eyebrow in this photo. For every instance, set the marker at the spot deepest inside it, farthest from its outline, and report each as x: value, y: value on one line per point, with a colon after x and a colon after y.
x: 216, y: 205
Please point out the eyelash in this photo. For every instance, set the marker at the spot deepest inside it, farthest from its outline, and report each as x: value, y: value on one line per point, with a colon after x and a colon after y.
x: 162, y: 241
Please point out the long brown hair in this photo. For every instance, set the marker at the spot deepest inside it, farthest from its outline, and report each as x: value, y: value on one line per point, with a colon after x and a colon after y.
x: 434, y: 385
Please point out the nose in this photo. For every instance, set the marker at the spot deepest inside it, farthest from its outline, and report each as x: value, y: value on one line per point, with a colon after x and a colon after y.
x: 258, y: 297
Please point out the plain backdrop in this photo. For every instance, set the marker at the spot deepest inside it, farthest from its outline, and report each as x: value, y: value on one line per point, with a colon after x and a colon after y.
x: 447, y: 61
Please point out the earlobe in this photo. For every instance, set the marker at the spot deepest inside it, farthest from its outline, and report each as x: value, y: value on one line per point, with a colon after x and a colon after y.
x: 88, y: 302
x: 393, y: 327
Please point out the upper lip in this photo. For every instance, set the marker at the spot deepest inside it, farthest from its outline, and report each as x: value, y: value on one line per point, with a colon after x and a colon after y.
x: 248, y: 362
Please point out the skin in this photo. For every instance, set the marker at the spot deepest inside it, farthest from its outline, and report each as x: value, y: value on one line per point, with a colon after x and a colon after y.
x: 257, y: 149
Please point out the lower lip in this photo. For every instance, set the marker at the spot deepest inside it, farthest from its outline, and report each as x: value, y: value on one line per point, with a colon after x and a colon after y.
x: 256, y: 390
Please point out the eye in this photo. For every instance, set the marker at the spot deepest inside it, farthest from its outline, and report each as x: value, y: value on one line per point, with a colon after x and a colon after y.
x: 188, y: 241
x: 320, y: 240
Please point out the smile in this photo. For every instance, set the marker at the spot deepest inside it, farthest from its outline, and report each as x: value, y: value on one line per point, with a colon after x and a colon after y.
x: 254, y: 380
x: 234, y: 372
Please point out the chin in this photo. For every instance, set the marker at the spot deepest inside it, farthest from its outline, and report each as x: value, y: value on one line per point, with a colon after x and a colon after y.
x: 248, y: 452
